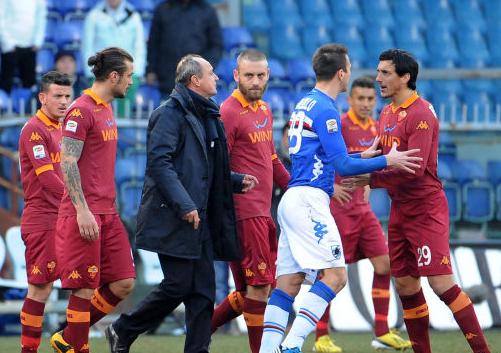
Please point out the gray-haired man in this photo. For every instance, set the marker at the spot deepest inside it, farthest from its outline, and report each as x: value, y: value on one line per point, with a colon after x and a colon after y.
x: 186, y: 213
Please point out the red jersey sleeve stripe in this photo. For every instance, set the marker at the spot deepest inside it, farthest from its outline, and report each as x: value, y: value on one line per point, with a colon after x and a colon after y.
x: 44, y: 168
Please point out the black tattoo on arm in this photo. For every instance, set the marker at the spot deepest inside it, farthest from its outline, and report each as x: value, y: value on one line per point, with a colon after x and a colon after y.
x: 71, y: 149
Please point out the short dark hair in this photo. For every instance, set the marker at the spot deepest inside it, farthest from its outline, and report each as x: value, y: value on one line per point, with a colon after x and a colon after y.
x: 328, y: 60
x: 108, y: 60
x: 187, y: 67
x: 251, y: 55
x: 56, y: 78
x: 404, y: 63
x: 363, y: 82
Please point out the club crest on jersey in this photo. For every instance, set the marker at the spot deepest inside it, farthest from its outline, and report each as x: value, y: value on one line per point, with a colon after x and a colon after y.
x: 402, y: 115
x: 38, y: 151
x: 71, y: 125
x: 336, y: 251
x: 331, y: 125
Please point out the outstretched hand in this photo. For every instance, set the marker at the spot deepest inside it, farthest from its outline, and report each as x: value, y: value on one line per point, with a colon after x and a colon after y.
x: 404, y: 160
x: 372, y: 151
x: 356, y: 181
x: 342, y: 193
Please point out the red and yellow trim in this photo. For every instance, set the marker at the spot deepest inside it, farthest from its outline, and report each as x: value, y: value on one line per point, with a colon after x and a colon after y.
x: 254, y: 319
x: 100, y: 303
x: 77, y: 316
x: 95, y: 97
x: 46, y: 120
x: 31, y: 320
x: 380, y: 293
x: 416, y: 313
x: 461, y: 302
x: 407, y: 103
x: 43, y: 169
x: 241, y: 99
x: 356, y: 120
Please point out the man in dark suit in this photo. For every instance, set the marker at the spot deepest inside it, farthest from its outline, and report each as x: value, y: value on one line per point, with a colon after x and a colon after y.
x: 186, y: 213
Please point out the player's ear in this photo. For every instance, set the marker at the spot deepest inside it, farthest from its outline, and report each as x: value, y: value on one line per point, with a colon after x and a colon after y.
x: 42, y: 97
x: 235, y: 75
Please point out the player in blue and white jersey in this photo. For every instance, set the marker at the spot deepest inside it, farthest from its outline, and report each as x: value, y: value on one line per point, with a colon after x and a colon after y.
x: 310, y: 240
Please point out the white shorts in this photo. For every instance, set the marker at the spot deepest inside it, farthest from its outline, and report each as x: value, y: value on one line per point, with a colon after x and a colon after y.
x: 309, y: 239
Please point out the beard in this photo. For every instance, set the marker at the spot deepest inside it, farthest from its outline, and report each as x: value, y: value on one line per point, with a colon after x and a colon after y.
x: 252, y: 94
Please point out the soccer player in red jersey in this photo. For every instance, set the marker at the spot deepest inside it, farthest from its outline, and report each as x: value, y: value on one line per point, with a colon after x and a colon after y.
x: 248, y: 123
x: 361, y: 233
x: 39, y: 158
x: 92, y: 245
x: 418, y: 230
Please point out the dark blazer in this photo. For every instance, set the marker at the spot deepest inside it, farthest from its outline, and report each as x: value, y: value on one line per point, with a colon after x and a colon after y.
x: 177, y: 182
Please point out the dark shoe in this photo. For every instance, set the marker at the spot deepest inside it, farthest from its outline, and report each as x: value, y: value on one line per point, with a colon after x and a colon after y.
x: 114, y: 341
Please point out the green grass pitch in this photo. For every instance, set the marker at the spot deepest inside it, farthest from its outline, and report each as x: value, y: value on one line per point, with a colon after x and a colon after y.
x: 442, y: 342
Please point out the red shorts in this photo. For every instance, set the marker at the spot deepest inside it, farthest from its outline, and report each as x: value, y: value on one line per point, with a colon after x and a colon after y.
x: 418, y: 238
x: 362, y: 236
x: 41, y: 264
x: 258, y: 238
x: 90, y: 264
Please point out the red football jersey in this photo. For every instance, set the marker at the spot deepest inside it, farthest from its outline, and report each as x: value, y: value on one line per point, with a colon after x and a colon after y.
x: 250, y: 143
x: 358, y: 137
x: 413, y: 124
x: 39, y: 152
x: 91, y: 120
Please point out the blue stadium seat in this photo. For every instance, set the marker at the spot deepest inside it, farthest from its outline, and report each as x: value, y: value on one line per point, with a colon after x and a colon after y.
x: 130, y: 168
x: 277, y: 71
x: 408, y: 13
x: 225, y: 68
x: 447, y: 86
x: 424, y: 89
x: 5, y: 101
x: 255, y: 16
x: 478, y: 198
x: 9, y: 137
x: 468, y: 170
x: 130, y: 199
x: 147, y: 97
x: 316, y: 13
x: 301, y: 73
x: 342, y: 104
x: 492, y: 9
x: 498, y: 201
x: 222, y: 93
x: 494, y: 172
x: 146, y: 29
x: 21, y: 100
x: 480, y: 107
x: 444, y: 171
x: 4, y: 203
x: 69, y: 35
x: 45, y: 61
x: 447, y: 105
x: 285, y: 43
x: 278, y: 99
x: 284, y: 12
x: 409, y: 37
x: 236, y: 39
x: 441, y: 45
x: 438, y: 11
x: 453, y: 194
x: 469, y: 15
x: 377, y: 39
x: 377, y: 12
x: 380, y: 203
x: 347, y: 12
x: 473, y: 48
x: 314, y: 37
x: 479, y: 85
x: 66, y: 7
x: 131, y: 137
x: 354, y: 41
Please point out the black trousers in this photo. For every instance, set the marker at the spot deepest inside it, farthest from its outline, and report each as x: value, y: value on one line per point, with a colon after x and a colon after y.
x: 185, y: 281
x: 22, y: 59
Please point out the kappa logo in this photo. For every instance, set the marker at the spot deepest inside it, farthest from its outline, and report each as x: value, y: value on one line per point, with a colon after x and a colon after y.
x: 320, y: 230
x: 74, y: 275
x: 35, y: 270
x: 445, y: 261
x: 249, y: 272
x: 35, y: 136
x: 75, y: 113
x: 423, y: 125
x: 85, y: 347
x: 470, y: 336
x: 92, y: 270
x: 51, y: 266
